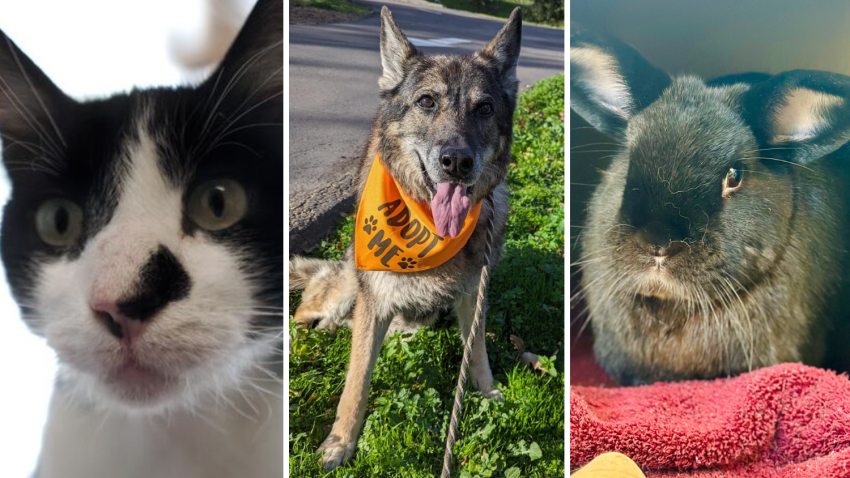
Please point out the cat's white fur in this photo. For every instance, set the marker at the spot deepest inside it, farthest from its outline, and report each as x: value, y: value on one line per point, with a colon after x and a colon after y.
x: 222, y: 417
x: 212, y: 442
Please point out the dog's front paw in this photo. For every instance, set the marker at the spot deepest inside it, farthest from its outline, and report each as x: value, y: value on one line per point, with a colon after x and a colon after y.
x: 327, y: 324
x: 335, y: 451
x: 493, y: 394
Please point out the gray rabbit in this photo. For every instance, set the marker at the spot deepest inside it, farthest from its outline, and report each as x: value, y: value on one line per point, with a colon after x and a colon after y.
x: 716, y: 241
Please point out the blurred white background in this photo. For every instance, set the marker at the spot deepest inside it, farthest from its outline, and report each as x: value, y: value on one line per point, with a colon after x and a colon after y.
x: 90, y: 48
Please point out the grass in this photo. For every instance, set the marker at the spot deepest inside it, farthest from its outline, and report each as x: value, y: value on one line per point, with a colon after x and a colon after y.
x: 334, y: 5
x: 499, y: 9
x: 413, y: 385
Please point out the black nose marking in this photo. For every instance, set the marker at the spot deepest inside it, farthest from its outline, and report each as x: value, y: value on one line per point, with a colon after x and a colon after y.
x: 457, y: 161
x: 114, y: 327
x: 162, y: 280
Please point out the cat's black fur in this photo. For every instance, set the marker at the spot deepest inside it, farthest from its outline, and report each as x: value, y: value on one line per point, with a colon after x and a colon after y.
x: 83, y: 169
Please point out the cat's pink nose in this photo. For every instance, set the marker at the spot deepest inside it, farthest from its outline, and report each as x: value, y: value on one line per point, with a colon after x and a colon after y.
x: 162, y: 280
x: 118, y: 323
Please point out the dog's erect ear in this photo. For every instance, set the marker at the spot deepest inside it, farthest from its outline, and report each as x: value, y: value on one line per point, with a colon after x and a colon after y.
x: 503, y: 49
x: 396, y: 51
x: 800, y: 115
x: 254, y: 63
x: 30, y: 104
x: 609, y: 80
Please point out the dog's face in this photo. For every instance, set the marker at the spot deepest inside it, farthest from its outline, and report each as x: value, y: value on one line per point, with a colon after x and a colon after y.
x: 446, y: 121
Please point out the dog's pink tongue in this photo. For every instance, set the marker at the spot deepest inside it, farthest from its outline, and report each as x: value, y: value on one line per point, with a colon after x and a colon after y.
x: 449, y: 207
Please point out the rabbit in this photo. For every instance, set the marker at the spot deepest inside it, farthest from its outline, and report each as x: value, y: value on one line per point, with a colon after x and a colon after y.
x: 715, y: 242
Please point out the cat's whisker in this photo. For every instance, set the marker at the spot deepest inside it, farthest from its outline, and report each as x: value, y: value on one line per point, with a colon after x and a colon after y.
x: 236, y: 408
x: 25, y: 114
x: 226, y: 130
x: 264, y: 390
x: 35, y: 93
x: 240, y: 145
x: 234, y: 80
x: 247, y: 400
x: 262, y: 86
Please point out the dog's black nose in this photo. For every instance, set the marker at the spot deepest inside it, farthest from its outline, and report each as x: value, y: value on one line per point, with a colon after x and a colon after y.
x: 456, y: 161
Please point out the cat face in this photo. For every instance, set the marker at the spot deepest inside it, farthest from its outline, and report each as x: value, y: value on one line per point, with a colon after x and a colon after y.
x: 143, y: 236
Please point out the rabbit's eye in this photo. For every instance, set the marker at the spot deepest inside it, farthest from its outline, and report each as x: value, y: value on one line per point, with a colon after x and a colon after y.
x: 733, y: 180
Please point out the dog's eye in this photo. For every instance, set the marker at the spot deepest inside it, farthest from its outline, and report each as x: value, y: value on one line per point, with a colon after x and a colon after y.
x: 733, y: 180
x: 485, y: 110
x: 59, y: 222
x: 426, y: 102
x: 217, y: 204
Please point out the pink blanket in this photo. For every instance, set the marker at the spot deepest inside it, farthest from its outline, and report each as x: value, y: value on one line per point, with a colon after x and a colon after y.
x: 788, y: 420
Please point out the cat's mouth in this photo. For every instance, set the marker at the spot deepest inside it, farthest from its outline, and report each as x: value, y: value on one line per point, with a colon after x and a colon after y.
x: 135, y: 382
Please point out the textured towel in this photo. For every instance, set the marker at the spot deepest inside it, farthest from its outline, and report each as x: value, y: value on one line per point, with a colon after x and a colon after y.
x: 788, y: 420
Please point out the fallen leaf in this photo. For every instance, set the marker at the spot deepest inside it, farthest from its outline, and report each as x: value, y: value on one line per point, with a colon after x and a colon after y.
x: 519, y: 344
x: 528, y: 358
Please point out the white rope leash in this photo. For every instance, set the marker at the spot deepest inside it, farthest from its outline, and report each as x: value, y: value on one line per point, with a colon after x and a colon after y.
x: 470, y: 340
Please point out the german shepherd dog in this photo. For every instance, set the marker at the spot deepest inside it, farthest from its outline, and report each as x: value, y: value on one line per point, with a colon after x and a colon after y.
x: 445, y: 122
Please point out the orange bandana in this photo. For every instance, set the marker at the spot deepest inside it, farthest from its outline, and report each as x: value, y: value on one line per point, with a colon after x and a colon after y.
x: 395, y: 233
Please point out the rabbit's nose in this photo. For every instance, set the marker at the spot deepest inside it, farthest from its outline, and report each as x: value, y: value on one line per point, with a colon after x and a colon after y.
x: 661, y: 239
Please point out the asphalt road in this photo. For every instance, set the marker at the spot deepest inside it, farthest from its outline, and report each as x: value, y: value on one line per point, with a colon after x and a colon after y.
x: 333, y: 96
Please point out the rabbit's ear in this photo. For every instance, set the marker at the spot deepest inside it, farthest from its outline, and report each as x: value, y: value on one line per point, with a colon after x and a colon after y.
x: 800, y: 115
x: 609, y: 80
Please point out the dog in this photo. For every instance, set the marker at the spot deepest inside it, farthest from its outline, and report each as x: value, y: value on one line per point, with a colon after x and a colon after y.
x: 443, y: 134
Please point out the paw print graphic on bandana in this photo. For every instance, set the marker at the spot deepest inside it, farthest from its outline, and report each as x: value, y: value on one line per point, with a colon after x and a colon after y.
x: 407, y: 263
x: 371, y: 224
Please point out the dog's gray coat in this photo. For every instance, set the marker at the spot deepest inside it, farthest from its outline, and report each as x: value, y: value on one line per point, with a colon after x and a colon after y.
x: 409, y: 140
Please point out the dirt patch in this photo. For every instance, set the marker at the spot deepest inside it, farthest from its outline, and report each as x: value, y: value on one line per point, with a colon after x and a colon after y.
x: 299, y: 15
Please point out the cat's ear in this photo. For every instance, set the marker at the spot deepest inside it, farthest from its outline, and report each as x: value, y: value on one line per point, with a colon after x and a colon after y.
x: 610, y: 81
x: 800, y: 115
x: 254, y: 63
x: 30, y: 104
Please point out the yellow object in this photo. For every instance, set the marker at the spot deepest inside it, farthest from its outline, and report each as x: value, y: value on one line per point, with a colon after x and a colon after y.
x: 395, y: 233
x: 610, y: 465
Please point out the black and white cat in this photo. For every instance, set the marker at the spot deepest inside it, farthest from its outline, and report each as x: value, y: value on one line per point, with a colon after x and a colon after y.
x: 143, y: 239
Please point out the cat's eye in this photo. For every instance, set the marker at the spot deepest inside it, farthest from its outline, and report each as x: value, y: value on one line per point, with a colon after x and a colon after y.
x: 426, y: 102
x: 59, y: 222
x: 733, y: 180
x: 217, y: 204
x: 485, y: 110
